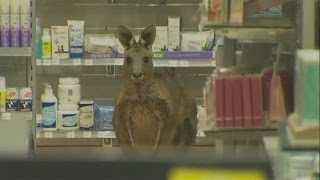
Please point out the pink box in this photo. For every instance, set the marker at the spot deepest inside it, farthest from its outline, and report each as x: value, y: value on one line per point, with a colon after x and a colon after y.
x: 246, y: 103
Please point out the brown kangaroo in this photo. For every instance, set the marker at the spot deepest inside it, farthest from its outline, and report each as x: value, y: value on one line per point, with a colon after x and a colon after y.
x: 151, y: 109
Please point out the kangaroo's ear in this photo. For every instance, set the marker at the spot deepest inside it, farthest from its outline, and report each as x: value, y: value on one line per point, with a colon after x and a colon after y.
x: 125, y: 37
x: 148, y: 36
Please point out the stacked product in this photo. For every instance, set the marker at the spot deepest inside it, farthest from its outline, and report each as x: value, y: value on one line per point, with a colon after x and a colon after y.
x: 15, y: 23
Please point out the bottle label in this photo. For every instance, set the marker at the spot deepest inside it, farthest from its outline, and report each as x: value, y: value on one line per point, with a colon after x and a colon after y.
x: 69, y: 120
x: 25, y: 105
x: 15, y: 30
x: 12, y: 105
x: 49, y: 114
x: 5, y: 30
x: 3, y: 95
x: 46, y: 49
x: 25, y: 30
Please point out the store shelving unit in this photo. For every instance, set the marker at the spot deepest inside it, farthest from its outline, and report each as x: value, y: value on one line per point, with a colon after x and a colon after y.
x: 15, y: 51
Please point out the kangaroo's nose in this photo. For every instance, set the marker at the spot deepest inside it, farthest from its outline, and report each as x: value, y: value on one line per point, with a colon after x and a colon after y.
x: 137, y: 75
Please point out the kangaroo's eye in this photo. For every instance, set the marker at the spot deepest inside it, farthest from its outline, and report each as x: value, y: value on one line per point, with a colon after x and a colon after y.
x: 128, y: 60
x: 145, y: 60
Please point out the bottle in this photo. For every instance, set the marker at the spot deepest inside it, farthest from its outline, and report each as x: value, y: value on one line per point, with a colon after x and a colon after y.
x: 5, y: 23
x: 38, y: 39
x: 49, y: 109
x: 15, y: 23
x: 3, y: 94
x: 25, y: 26
x: 46, y: 44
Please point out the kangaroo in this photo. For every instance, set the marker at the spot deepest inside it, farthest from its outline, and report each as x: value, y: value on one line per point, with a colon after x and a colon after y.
x: 151, y: 109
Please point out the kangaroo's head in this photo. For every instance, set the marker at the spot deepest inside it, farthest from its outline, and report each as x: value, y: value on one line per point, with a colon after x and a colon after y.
x: 138, y: 63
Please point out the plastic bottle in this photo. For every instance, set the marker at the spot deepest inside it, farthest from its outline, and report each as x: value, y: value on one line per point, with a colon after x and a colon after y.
x: 25, y: 26
x: 49, y: 109
x: 5, y: 23
x: 38, y: 39
x: 3, y: 94
x: 46, y: 44
x: 15, y: 23
x: 68, y: 117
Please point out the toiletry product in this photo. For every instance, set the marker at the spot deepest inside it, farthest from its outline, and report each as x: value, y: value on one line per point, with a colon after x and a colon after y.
x: 15, y: 23
x: 161, y: 41
x: 25, y: 101
x: 46, y: 44
x: 197, y: 41
x: 101, y: 46
x: 86, y: 114
x: 12, y: 102
x: 25, y: 28
x: 76, y: 37
x: 60, y: 42
x: 3, y: 94
x: 103, y: 117
x: 69, y: 90
x: 39, y: 41
x: 49, y: 109
x: 174, y: 33
x: 236, y: 11
x: 5, y: 23
x: 68, y: 117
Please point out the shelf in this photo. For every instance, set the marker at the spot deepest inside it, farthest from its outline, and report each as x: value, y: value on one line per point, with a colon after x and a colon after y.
x: 13, y: 51
x: 17, y: 116
x: 241, y: 133
x: 119, y: 62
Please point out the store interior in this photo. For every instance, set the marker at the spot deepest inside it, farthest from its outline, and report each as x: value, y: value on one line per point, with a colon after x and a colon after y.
x: 238, y: 95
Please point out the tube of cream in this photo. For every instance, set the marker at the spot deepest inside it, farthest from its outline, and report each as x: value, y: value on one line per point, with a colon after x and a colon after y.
x: 5, y: 23
x: 15, y: 23
x: 76, y: 36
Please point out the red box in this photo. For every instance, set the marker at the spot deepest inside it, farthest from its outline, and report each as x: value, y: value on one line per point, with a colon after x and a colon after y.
x: 237, y: 101
x: 256, y: 101
x: 246, y: 102
x: 219, y: 102
x: 228, y: 102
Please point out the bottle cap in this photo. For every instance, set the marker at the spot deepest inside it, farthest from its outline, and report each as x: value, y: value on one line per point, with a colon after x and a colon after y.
x: 69, y: 80
x: 46, y: 31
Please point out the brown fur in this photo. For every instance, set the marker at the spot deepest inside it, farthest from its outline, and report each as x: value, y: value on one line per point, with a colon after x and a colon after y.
x: 154, y: 101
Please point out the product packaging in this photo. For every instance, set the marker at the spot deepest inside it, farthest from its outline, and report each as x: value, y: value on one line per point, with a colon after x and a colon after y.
x: 12, y: 103
x: 3, y: 94
x: 161, y: 41
x: 60, y: 42
x: 39, y: 41
x: 236, y: 11
x: 25, y: 17
x: 174, y: 33
x: 46, y: 44
x: 197, y: 41
x: 69, y: 90
x: 86, y: 114
x: 101, y: 46
x: 25, y: 101
x: 15, y: 23
x: 76, y: 37
x: 103, y: 117
x: 68, y: 117
x: 49, y: 109
x: 5, y: 23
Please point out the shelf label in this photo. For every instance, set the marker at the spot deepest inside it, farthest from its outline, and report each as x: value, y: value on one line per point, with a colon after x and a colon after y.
x: 200, y: 134
x: 38, y: 62
x: 46, y: 62
x: 76, y: 62
x: 38, y: 135
x: 48, y: 135
x: 118, y: 62
x: 213, y: 63
x: 184, y: 63
x: 88, y: 62
x: 71, y: 134
x: 55, y: 62
x: 102, y: 134
x: 110, y: 62
x: 173, y: 63
x: 110, y: 134
x: 87, y: 134
x: 6, y: 116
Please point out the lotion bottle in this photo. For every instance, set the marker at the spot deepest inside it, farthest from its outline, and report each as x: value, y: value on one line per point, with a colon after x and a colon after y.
x: 46, y: 44
x: 49, y: 109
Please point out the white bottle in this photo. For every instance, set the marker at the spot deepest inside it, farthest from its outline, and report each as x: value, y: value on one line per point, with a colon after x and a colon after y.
x: 46, y: 44
x: 49, y: 109
x: 15, y: 23
x: 68, y: 117
x: 25, y: 19
x: 5, y: 23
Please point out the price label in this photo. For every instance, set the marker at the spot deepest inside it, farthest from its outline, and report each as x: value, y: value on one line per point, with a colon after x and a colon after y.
x: 46, y: 62
x: 102, y: 134
x: 200, y: 134
x: 110, y: 134
x: 173, y: 63
x: 76, y: 62
x: 55, y: 62
x: 48, y: 135
x: 71, y: 134
x: 5, y: 116
x: 213, y: 63
x: 38, y: 62
x: 38, y: 135
x: 110, y: 62
x: 87, y: 134
x: 88, y: 62
x: 118, y: 62
x: 184, y: 63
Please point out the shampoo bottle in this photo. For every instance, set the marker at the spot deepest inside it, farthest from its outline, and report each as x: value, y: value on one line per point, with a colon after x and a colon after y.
x: 25, y: 28
x: 46, y: 44
x: 49, y: 109
x: 15, y: 23
x: 5, y: 23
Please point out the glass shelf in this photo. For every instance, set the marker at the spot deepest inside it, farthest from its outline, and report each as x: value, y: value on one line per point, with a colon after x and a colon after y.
x: 15, y: 51
x: 16, y: 116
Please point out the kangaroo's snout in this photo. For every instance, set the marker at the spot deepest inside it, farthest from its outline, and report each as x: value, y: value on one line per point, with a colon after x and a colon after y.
x: 137, y: 76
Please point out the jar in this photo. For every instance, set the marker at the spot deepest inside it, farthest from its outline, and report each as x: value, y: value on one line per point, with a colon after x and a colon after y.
x: 69, y: 90
x: 68, y: 117
x: 86, y: 114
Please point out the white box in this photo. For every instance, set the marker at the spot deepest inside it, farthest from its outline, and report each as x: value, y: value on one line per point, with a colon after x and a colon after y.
x: 174, y: 33
x: 161, y: 41
x: 236, y: 11
x: 60, y: 42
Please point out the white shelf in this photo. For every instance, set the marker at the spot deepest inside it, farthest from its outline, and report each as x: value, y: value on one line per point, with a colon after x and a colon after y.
x: 16, y: 116
x: 15, y: 51
x: 75, y: 134
x: 119, y: 62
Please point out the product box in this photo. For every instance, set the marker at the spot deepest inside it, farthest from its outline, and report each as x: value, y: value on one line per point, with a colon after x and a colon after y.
x: 161, y: 41
x: 174, y: 33
x: 236, y: 11
x: 60, y: 42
